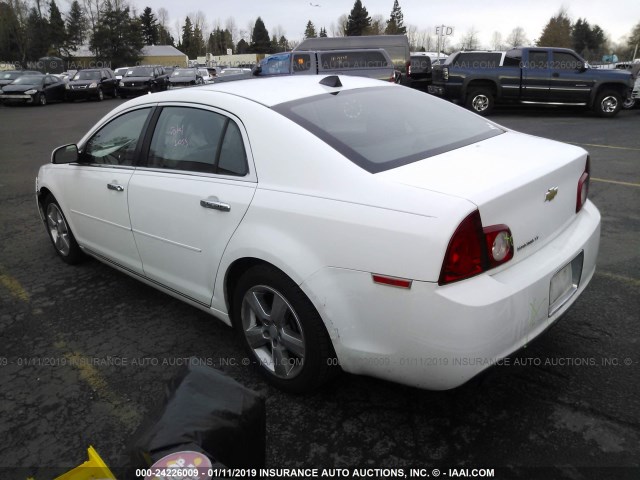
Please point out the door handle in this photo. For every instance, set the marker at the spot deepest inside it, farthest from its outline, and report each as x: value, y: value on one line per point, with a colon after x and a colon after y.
x: 215, y: 204
x: 115, y: 186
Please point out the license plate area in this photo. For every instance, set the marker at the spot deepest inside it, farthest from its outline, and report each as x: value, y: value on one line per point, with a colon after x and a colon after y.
x: 564, y: 283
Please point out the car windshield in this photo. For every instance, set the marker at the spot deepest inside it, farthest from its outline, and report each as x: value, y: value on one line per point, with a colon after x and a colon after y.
x: 183, y: 72
x: 383, y: 128
x: 82, y: 75
x: 140, y: 72
x: 28, y: 80
x: 9, y: 75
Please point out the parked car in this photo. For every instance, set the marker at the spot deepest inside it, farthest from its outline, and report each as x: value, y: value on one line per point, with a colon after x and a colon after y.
x: 143, y: 79
x: 93, y: 83
x: 419, y: 72
x: 204, y: 74
x: 632, y: 100
x: 332, y: 222
x: 121, y: 72
x: 8, y: 76
x: 34, y: 90
x: 234, y: 71
x: 480, y: 79
x: 185, y: 77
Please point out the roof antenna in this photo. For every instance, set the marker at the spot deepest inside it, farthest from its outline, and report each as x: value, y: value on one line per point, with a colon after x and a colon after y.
x: 331, y: 81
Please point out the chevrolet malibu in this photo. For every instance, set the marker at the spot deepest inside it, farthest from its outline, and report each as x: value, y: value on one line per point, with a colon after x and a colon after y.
x: 333, y: 222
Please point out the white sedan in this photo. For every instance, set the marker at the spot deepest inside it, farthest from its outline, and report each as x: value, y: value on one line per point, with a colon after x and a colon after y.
x: 333, y: 222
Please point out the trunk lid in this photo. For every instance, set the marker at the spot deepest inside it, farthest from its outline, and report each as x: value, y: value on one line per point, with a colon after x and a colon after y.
x: 512, y: 179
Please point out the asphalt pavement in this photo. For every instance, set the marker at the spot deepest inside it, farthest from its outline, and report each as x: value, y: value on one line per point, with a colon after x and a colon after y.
x: 87, y: 351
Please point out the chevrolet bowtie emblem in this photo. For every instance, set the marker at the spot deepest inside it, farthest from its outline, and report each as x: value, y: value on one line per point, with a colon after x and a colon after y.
x: 551, y: 194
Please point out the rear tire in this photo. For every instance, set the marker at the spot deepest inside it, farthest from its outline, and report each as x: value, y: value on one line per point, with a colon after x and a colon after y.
x: 60, y: 233
x: 629, y: 103
x: 608, y: 103
x: 282, y: 331
x: 100, y: 96
x: 480, y: 101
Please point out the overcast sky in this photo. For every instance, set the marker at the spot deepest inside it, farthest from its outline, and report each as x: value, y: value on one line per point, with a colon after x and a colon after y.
x: 615, y: 17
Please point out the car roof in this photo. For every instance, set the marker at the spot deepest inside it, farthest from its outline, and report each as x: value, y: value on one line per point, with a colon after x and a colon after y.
x: 270, y: 91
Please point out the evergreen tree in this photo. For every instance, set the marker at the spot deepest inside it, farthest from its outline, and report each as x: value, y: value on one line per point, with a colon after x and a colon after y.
x: 323, y: 32
x: 187, y: 36
x: 117, y: 37
x: 260, y: 43
x: 310, y: 31
x: 76, y: 26
x: 11, y: 34
x: 149, y: 26
x: 557, y: 32
x: 283, y: 44
x: 197, y: 44
x: 164, y: 37
x: 219, y: 41
x: 358, y: 21
x: 395, y: 24
x: 37, y: 30
x: 242, y: 47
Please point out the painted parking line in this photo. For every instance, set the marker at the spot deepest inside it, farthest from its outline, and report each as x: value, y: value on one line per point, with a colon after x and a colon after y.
x: 616, y: 182
x: 15, y: 288
x: 126, y: 413
x: 604, y: 146
x: 634, y: 282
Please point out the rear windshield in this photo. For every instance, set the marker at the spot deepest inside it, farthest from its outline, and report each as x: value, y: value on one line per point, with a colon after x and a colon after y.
x: 183, y: 72
x: 420, y: 64
x: 346, y: 59
x: 381, y: 128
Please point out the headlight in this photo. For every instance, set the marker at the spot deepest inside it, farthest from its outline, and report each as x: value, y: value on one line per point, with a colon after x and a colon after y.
x: 93, y: 85
x: 33, y: 91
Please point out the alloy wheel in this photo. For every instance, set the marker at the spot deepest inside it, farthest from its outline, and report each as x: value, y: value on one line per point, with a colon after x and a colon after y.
x: 58, y: 229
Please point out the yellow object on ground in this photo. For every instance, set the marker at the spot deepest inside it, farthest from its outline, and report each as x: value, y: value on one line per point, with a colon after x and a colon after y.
x: 92, y: 469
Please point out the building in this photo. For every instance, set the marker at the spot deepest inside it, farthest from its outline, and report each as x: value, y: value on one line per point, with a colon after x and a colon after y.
x: 165, y: 55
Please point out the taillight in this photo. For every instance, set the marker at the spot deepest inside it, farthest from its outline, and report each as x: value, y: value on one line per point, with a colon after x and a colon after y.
x: 583, y: 186
x: 473, y: 249
x: 445, y: 73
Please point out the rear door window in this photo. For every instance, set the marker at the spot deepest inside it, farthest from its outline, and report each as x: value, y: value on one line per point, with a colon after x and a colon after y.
x: 336, y: 60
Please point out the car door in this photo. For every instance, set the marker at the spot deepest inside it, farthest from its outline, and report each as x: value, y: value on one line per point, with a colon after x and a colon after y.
x: 188, y: 197
x: 54, y: 88
x: 96, y: 190
x: 535, y: 77
x: 568, y: 82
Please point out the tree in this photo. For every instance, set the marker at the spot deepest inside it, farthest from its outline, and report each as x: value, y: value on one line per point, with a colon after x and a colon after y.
x: 37, y: 35
x: 283, y: 44
x: 310, y: 31
x: 57, y: 32
x: 395, y: 24
x: 11, y: 34
x: 358, y: 21
x: 242, y: 46
x: 557, y: 32
x: 149, y: 26
x: 219, y: 41
x: 260, y: 41
x: 323, y: 32
x: 339, y: 29
x: 117, y: 38
x: 164, y: 35
x: 187, y: 36
x: 377, y: 26
x: 633, y: 43
x: 76, y: 26
x: 517, y: 38
x: 470, y: 41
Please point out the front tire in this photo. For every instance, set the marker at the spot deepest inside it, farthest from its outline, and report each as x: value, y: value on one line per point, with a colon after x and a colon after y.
x: 59, y: 232
x: 608, y: 103
x: 41, y: 99
x: 629, y: 103
x: 282, y: 331
x: 480, y: 101
x: 100, y: 96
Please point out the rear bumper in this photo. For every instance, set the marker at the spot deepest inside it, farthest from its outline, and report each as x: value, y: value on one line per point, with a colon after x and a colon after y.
x: 440, y: 337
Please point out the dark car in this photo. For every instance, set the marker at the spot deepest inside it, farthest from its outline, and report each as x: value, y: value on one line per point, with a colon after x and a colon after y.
x: 419, y: 72
x: 34, y: 90
x: 9, y: 76
x: 93, y: 83
x: 143, y: 79
x: 185, y: 77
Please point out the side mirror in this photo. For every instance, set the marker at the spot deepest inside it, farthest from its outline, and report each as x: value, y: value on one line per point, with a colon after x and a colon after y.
x: 65, y: 154
x: 582, y: 67
x: 257, y: 70
x: 104, y: 78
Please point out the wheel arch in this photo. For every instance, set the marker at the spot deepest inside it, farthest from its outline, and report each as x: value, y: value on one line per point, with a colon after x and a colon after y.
x: 480, y: 83
x: 617, y: 87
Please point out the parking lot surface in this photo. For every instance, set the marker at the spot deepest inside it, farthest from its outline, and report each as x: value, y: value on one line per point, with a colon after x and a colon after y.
x: 87, y: 351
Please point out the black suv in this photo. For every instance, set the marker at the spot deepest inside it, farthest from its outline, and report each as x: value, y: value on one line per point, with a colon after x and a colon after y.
x: 143, y: 79
x: 92, y: 83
